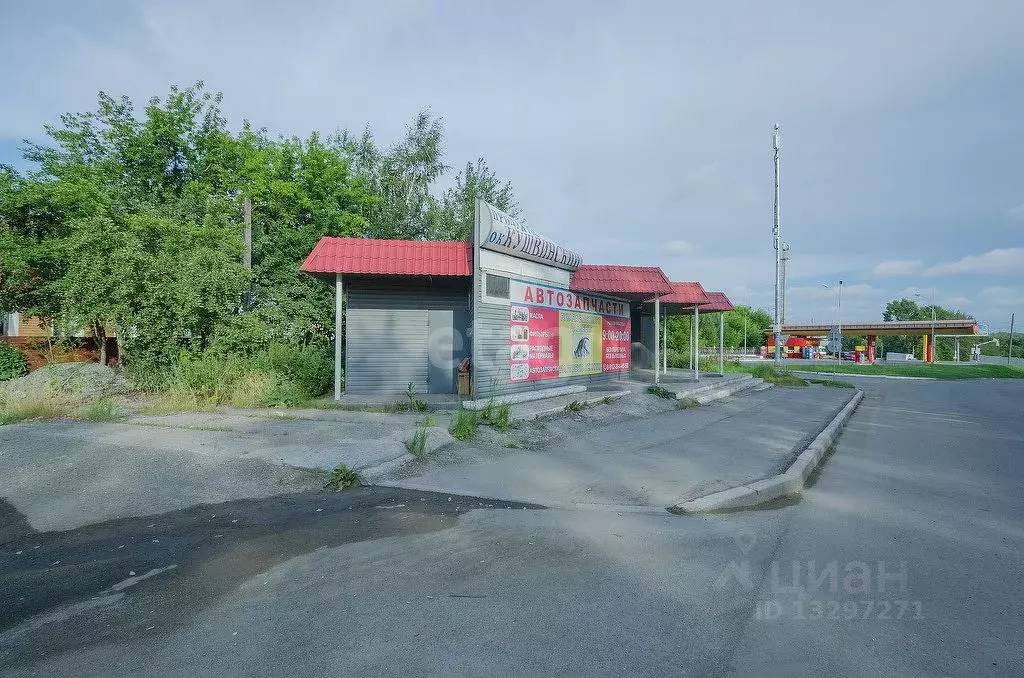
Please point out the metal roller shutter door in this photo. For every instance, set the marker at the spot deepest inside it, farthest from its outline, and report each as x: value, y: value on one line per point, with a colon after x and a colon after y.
x: 387, y: 334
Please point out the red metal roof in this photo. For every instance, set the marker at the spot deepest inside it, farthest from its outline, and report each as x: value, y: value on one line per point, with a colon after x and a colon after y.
x: 718, y: 302
x: 686, y: 293
x: 389, y: 257
x: 630, y: 280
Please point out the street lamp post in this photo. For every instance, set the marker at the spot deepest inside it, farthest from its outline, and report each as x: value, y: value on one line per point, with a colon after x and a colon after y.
x: 839, y: 317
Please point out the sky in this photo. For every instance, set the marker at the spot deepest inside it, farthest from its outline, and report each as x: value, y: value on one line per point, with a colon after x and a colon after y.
x: 634, y: 133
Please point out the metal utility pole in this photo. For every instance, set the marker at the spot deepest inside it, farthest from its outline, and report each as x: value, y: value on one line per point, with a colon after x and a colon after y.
x: 784, y: 260
x: 1009, y: 352
x: 744, y: 332
x: 247, y: 253
x: 776, y: 325
x: 840, y: 319
x: 247, y: 219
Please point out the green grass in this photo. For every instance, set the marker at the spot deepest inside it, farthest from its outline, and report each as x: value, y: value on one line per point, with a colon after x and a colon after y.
x: 770, y: 375
x: 35, y: 406
x: 965, y: 371
x: 464, y: 426
x: 833, y: 383
x: 101, y: 410
x: 417, y: 446
x: 687, y: 403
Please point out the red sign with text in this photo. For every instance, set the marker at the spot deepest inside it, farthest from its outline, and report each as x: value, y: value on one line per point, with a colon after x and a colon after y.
x: 534, y: 343
x: 615, y: 344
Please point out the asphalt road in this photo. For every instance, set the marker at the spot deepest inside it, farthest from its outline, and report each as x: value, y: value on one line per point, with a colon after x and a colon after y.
x: 904, y: 558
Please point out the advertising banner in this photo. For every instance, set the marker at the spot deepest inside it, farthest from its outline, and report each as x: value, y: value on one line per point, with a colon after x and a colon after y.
x: 557, y: 333
x: 502, y: 233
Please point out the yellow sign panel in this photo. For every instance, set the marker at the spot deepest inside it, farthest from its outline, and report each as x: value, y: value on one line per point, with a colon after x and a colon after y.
x: 579, y: 344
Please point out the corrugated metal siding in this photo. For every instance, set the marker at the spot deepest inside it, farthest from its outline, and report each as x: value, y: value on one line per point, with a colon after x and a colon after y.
x: 387, y: 328
x: 491, y: 362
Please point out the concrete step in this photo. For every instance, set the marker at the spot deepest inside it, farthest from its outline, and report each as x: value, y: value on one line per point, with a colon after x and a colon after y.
x: 708, y: 384
x: 726, y: 390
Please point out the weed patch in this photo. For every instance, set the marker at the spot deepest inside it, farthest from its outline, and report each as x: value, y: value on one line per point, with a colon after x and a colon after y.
x: 661, y: 392
x: 341, y: 478
x: 417, y: 446
x: 687, y: 403
x: 576, y: 406
x: 770, y: 375
x: 503, y: 418
x: 464, y: 426
x: 833, y: 383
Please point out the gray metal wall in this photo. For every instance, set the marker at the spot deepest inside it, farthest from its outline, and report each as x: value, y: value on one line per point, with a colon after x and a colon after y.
x: 387, y: 330
x: 491, y: 362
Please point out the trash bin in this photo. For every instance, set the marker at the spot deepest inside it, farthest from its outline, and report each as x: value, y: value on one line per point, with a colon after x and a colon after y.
x: 462, y: 377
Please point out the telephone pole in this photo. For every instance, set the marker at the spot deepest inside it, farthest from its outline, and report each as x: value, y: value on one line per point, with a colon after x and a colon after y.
x: 776, y: 325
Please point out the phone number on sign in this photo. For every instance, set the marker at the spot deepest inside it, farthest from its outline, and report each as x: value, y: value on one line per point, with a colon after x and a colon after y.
x: 833, y: 609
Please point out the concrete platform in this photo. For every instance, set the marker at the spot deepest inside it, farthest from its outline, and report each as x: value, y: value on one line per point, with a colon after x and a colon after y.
x: 602, y: 457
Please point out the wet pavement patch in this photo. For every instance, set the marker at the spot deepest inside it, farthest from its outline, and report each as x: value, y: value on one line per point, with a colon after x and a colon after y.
x: 199, y: 554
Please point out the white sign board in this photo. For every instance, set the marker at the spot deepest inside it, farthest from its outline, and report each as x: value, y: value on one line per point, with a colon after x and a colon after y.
x: 502, y: 233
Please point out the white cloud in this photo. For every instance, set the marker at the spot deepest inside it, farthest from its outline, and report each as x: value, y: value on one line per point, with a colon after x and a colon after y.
x: 955, y: 302
x: 1001, y: 297
x: 678, y: 247
x: 900, y: 267
x: 813, y: 292
x: 1001, y: 261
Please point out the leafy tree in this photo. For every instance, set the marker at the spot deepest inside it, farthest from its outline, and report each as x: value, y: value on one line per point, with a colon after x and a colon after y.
x: 131, y: 222
x: 453, y: 217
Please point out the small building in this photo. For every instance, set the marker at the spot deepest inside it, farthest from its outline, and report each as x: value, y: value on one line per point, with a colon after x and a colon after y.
x: 525, y: 310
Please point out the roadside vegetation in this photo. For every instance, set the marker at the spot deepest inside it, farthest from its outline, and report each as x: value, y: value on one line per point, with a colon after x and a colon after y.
x: 465, y: 424
x: 961, y: 371
x: 832, y: 383
x: 770, y: 375
x: 128, y: 223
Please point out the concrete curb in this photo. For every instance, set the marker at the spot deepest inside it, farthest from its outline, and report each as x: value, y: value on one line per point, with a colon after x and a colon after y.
x: 516, y: 398
x: 559, y: 410
x: 789, y: 483
x: 841, y: 375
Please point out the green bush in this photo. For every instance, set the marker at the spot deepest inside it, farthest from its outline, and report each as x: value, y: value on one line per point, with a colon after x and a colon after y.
x: 244, y: 334
x: 279, y: 375
x: 311, y: 368
x: 12, y: 362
